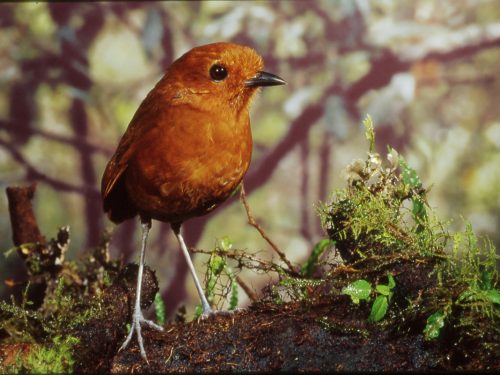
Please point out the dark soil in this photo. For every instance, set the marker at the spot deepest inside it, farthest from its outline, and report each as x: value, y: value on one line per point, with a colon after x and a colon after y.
x: 320, y: 331
x: 328, y: 334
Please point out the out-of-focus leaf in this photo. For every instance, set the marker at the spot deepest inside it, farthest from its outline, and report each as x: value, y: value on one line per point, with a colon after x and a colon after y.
x: 233, y: 298
x: 226, y: 243
x: 493, y: 295
x: 159, y: 309
x: 434, y: 324
x: 486, y: 280
x: 369, y: 132
x: 409, y: 174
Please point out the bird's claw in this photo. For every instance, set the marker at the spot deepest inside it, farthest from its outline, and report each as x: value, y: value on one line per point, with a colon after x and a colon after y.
x: 136, y: 326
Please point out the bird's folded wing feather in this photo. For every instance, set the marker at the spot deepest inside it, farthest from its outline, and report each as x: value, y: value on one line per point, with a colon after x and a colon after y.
x: 141, y: 123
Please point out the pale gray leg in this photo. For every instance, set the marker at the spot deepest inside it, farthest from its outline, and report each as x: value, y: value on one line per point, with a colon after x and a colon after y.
x: 206, y: 307
x: 138, y: 318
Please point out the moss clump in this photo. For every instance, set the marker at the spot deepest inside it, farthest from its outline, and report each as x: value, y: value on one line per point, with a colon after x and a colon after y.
x: 445, y: 285
x: 383, y: 210
x: 42, y: 337
x: 55, y: 357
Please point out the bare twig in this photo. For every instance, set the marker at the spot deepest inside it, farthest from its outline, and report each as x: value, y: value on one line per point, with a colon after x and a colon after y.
x: 254, y: 223
x: 249, y: 291
x: 248, y: 261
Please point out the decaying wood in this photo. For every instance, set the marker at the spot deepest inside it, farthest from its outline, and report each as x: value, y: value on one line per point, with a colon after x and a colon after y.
x: 24, y: 226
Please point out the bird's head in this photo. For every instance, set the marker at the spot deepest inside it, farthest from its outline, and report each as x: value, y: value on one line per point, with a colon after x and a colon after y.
x: 221, y: 76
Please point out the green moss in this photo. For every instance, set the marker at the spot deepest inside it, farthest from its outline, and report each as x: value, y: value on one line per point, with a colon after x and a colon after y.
x: 445, y: 284
x: 43, y: 336
x: 54, y: 358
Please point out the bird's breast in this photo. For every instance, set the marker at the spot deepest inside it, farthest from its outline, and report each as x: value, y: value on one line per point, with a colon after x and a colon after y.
x: 187, y: 168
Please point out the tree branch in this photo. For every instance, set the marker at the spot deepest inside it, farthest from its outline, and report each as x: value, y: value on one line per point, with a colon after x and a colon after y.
x: 253, y: 222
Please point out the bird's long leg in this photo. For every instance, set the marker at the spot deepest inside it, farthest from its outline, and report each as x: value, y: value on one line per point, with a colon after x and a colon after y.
x: 138, y: 318
x: 206, y: 307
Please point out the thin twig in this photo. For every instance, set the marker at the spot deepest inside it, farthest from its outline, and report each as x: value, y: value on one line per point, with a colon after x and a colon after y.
x: 248, y: 261
x: 254, y: 223
x: 249, y: 291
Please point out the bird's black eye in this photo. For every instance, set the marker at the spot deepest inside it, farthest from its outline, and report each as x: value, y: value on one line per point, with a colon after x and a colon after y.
x: 218, y: 72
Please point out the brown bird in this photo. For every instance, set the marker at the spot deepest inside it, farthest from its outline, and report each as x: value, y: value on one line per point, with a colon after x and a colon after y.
x: 186, y: 149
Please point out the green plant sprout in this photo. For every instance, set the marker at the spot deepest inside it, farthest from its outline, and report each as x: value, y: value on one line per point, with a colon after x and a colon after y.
x: 217, y: 267
x: 159, y: 309
x: 374, y: 230
x: 361, y: 290
x: 54, y: 358
x: 21, y: 247
x: 381, y: 303
x: 369, y: 132
x: 473, y: 270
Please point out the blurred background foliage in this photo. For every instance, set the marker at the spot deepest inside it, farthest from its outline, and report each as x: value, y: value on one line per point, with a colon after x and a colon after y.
x: 428, y: 72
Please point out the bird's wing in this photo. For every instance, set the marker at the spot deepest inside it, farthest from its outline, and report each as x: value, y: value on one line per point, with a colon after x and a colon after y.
x: 115, y: 200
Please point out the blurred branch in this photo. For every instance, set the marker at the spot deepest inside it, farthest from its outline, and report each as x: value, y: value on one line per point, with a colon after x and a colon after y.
x: 33, y: 174
x: 386, y: 64
x: 74, y: 141
x: 93, y: 206
x: 325, y: 167
x: 299, y: 129
x: 305, y: 230
x: 383, y: 68
x: 451, y: 45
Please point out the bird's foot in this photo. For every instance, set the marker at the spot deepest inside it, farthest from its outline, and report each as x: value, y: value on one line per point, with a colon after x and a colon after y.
x: 137, y: 320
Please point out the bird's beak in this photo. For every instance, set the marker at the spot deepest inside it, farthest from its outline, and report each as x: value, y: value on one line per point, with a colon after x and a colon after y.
x: 265, y: 79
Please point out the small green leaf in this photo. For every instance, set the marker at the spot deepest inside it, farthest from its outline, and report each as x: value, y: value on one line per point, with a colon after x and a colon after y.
x: 434, y: 324
x: 392, y: 282
x: 369, y: 132
x: 233, y: 298
x: 409, y: 175
x: 358, y: 290
x: 383, y: 289
x: 411, y: 179
x: 493, y: 295
x: 379, y: 309
x: 159, y: 309
x: 217, y: 264
x: 198, y: 311
x: 226, y: 243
